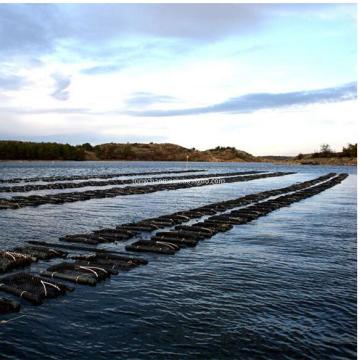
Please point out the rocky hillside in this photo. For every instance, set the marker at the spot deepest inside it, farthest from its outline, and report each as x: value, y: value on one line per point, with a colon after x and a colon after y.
x: 165, y: 152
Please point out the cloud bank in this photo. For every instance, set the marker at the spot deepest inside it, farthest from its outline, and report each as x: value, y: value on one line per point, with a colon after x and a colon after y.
x: 263, y: 101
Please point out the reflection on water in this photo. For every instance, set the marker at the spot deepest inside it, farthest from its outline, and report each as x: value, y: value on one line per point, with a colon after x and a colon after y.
x: 281, y: 286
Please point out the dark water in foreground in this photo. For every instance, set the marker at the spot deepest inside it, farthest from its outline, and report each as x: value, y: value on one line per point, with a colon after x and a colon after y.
x: 283, y: 286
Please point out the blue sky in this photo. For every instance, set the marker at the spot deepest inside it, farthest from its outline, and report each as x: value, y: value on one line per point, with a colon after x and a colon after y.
x: 268, y: 79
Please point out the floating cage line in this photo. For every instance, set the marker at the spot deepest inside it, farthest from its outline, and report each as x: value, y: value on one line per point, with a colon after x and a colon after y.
x: 8, y: 306
x: 94, y: 183
x: 127, y: 231
x: 243, y: 216
x: 32, y: 288
x: 94, y: 176
x: 83, y: 248
x: 171, y: 242
x: 181, y: 234
x: 60, y: 198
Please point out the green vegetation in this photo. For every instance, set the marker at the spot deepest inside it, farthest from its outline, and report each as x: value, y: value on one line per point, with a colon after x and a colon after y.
x: 326, y: 156
x: 350, y: 150
x: 19, y: 150
x: 114, y: 151
x: 327, y: 152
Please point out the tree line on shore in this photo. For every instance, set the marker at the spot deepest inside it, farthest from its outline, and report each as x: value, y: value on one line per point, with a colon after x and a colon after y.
x: 326, y: 152
x: 19, y: 150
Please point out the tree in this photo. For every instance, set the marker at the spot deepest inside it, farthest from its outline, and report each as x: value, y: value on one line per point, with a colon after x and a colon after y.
x: 87, y: 147
x: 350, y: 150
x: 18, y: 150
x: 325, y: 149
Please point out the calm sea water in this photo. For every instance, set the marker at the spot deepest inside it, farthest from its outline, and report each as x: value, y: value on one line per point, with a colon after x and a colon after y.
x: 283, y: 286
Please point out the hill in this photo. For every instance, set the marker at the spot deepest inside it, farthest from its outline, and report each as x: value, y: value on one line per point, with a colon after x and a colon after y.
x: 19, y: 150
x: 167, y: 152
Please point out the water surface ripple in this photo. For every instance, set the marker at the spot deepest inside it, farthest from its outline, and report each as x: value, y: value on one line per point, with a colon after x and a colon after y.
x: 283, y: 286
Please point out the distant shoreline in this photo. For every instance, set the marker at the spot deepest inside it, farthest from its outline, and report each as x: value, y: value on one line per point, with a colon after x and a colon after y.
x: 21, y: 151
x: 285, y: 162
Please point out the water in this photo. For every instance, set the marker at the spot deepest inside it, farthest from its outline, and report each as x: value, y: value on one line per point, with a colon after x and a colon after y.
x: 283, y: 286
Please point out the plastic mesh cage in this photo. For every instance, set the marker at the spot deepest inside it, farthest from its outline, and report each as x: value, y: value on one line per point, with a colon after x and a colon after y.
x: 113, y: 257
x: 11, y: 259
x: 160, y: 247
x: 110, y: 268
x: 41, y: 252
x: 77, y: 273
x: 109, y: 261
x: 180, y: 242
x: 32, y: 288
x: 100, y: 236
x: 8, y: 306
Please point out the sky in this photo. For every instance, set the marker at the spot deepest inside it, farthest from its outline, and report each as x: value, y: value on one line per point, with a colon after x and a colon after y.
x: 270, y: 79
